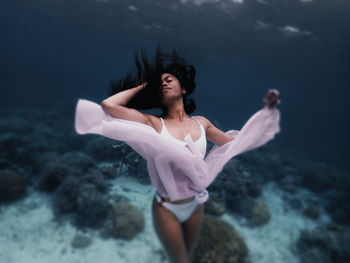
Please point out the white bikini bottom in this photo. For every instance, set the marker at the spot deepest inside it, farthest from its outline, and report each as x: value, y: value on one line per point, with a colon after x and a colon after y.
x: 181, y: 211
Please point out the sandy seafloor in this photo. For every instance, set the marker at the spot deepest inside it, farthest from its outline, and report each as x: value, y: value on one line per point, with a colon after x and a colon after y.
x: 29, y: 234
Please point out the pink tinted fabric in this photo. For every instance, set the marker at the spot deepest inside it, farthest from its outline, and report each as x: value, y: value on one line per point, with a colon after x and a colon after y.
x: 201, y: 143
x: 177, y: 172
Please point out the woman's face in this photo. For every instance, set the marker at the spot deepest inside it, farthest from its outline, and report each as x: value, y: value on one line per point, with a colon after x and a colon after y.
x: 170, y: 87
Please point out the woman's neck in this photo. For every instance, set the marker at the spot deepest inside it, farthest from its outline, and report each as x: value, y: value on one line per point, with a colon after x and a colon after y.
x: 177, y: 113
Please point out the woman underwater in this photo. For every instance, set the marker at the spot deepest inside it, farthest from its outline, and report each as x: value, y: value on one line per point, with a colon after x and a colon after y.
x: 166, y: 83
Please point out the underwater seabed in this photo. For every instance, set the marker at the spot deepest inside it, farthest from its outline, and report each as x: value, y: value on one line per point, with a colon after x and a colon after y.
x: 276, y: 241
x: 29, y: 232
x: 278, y: 199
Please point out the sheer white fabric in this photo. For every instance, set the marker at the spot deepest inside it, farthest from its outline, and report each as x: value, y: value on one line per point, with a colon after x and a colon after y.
x: 177, y: 172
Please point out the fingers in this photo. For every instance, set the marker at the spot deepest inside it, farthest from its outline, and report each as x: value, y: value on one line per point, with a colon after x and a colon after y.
x: 275, y: 91
x: 271, y: 99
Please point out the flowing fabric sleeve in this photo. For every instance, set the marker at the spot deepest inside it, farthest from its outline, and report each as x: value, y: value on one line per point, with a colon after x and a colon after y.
x: 258, y: 130
x: 174, y: 170
x: 167, y: 162
x: 91, y: 119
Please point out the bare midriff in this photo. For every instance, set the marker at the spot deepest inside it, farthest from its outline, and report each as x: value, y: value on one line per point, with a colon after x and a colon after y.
x: 182, y: 201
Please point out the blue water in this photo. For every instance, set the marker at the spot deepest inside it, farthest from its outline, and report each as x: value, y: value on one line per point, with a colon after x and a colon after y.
x: 53, y: 52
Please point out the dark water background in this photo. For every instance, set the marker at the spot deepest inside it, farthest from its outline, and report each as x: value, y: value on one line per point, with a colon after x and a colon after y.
x: 57, y: 51
x: 53, y: 52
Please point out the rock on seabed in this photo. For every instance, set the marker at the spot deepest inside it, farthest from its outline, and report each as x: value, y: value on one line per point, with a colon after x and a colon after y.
x: 219, y: 242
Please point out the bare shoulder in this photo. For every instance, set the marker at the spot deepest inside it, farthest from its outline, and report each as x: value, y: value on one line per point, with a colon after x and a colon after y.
x: 155, y: 122
x: 203, y: 120
x: 213, y: 134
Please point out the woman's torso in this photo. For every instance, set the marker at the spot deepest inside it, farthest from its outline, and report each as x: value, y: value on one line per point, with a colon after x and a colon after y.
x: 198, y: 135
x: 169, y: 131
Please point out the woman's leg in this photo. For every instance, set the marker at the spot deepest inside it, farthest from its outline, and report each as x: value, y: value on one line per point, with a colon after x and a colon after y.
x: 170, y: 233
x: 191, y: 228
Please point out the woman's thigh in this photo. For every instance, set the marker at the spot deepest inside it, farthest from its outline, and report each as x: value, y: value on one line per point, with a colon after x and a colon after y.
x: 170, y: 233
x: 191, y: 228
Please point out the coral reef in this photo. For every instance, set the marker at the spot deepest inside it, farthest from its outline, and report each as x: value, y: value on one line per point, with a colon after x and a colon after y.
x: 219, y: 242
x: 325, y: 244
x: 12, y: 185
x: 128, y: 221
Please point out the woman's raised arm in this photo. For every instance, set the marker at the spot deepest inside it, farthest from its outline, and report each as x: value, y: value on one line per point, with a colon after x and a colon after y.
x: 218, y: 137
x: 115, y: 106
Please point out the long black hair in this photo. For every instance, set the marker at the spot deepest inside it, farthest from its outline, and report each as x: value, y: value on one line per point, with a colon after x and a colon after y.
x: 150, y: 71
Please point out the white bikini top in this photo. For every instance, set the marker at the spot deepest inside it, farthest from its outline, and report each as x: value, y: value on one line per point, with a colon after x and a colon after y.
x: 201, y: 143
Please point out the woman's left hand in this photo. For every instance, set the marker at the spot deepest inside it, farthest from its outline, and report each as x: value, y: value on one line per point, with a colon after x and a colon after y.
x: 271, y: 99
